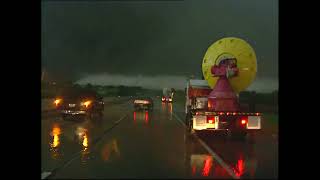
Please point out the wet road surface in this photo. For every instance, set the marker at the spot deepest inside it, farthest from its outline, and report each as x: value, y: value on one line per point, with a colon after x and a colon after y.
x: 153, y: 144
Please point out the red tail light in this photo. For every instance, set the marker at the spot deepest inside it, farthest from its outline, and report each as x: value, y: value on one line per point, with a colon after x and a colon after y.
x: 210, y: 119
x: 243, y: 121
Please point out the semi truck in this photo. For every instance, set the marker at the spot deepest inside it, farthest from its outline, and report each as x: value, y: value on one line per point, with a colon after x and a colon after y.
x: 212, y: 104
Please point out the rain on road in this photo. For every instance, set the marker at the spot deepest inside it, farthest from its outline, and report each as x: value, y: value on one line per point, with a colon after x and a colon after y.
x: 153, y: 144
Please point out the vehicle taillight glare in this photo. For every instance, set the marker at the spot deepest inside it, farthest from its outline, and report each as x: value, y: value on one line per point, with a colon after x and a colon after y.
x: 243, y: 121
x: 210, y: 119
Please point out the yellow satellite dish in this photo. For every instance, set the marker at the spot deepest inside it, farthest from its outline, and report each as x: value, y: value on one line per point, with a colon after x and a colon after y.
x: 231, y: 47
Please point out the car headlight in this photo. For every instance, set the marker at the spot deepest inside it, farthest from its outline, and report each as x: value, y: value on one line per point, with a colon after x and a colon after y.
x: 57, y: 101
x: 86, y: 103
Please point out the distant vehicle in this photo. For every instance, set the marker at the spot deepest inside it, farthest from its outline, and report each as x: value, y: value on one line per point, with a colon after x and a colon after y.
x: 143, y: 103
x: 167, y: 95
x: 166, y: 99
x: 79, y: 102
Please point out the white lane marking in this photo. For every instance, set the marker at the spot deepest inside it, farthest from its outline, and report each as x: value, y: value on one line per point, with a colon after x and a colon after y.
x: 117, y: 122
x: 215, y: 155
x: 179, y: 120
x: 218, y: 158
x: 45, y: 174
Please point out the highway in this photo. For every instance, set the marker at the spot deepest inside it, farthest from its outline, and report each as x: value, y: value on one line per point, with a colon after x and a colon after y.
x: 153, y: 144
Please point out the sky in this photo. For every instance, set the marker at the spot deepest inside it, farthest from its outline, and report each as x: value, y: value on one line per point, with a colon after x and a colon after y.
x: 155, y: 43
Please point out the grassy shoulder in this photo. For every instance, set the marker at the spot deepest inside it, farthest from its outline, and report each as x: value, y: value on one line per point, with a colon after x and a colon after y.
x: 270, y: 123
x: 272, y: 118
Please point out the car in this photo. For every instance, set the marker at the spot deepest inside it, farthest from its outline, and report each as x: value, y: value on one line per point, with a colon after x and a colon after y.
x: 79, y: 103
x: 143, y: 103
x: 166, y: 99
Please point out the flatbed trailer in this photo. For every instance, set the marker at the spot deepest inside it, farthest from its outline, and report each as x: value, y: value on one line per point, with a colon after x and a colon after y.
x: 199, y: 118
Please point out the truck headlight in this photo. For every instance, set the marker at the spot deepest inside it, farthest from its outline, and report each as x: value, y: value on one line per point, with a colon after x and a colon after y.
x: 57, y: 101
x: 86, y: 103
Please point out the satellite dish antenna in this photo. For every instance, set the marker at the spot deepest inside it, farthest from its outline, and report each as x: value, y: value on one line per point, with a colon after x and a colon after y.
x: 231, y: 48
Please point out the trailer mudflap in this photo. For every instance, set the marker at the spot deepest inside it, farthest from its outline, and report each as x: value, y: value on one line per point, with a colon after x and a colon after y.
x: 199, y: 122
x: 254, y: 122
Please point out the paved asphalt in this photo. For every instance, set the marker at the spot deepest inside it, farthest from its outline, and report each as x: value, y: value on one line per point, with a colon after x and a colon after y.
x: 153, y: 144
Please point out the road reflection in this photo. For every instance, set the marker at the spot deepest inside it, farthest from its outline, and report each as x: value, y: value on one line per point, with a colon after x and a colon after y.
x: 82, y: 136
x: 54, y: 145
x: 141, y: 116
x: 238, y: 168
x: 110, y: 151
x: 239, y: 156
x: 163, y: 106
x: 167, y: 108
x: 170, y: 108
x: 203, y: 165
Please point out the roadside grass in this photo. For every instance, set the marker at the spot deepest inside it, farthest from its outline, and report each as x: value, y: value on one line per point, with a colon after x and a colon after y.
x: 270, y: 123
x: 272, y: 118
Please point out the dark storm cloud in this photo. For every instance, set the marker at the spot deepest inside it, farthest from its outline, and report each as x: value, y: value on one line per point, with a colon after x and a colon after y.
x: 160, y: 81
x: 152, y: 38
